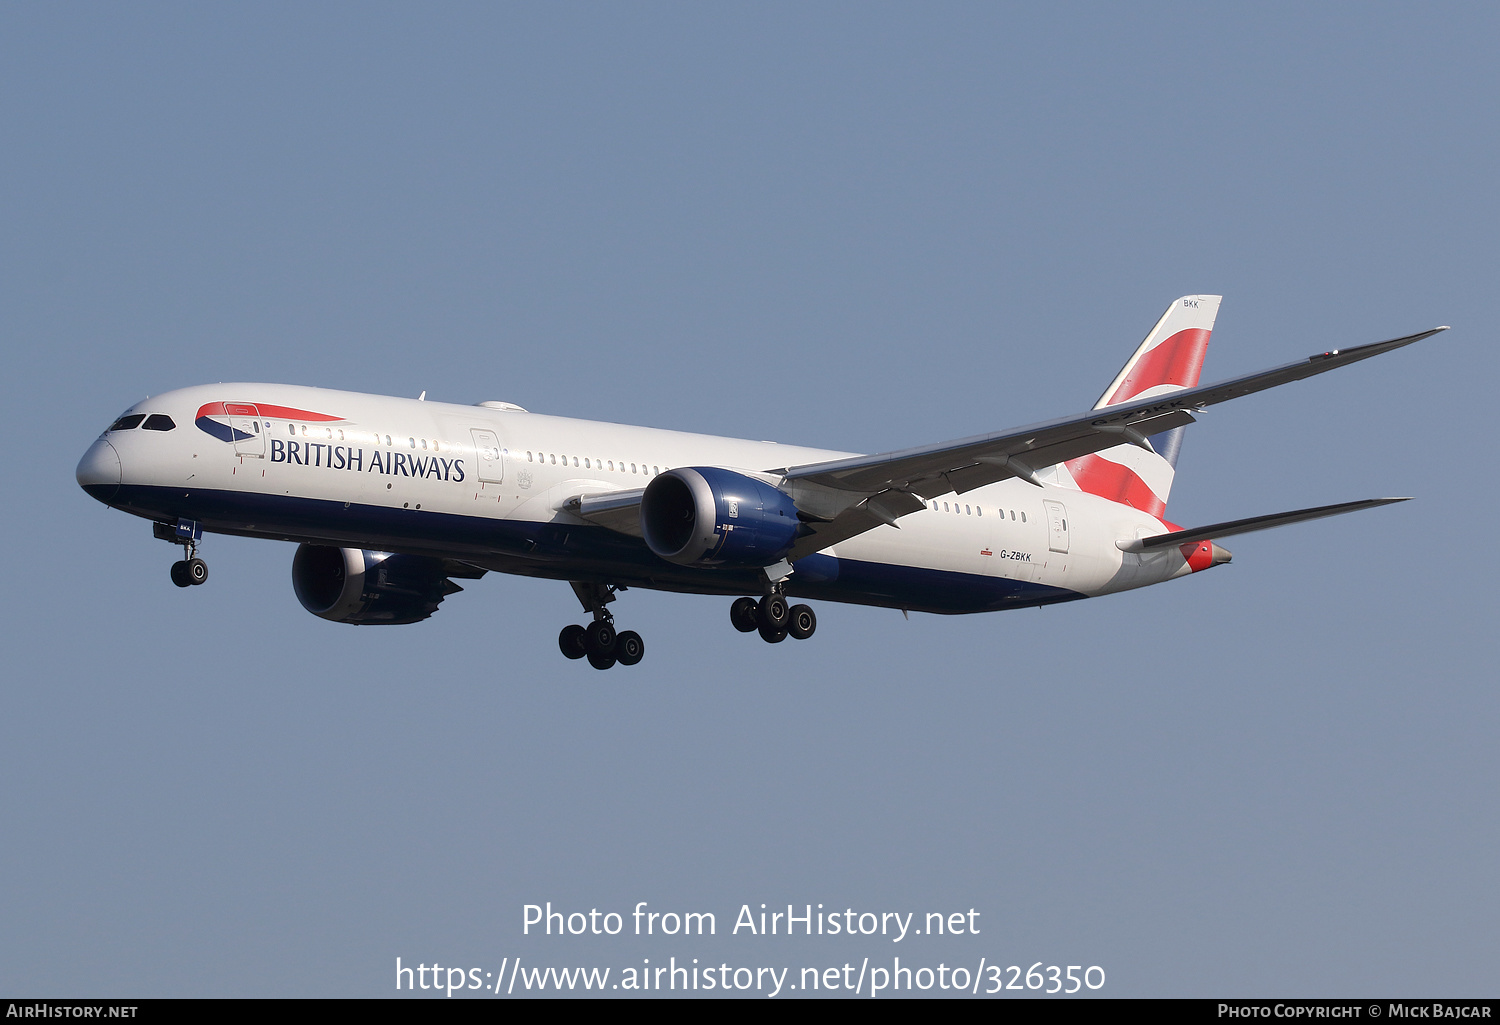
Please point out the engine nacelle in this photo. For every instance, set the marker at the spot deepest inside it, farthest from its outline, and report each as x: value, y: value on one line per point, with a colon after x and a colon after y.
x: 350, y: 585
x: 709, y: 516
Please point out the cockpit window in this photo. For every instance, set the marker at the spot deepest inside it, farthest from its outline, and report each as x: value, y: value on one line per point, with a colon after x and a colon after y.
x: 128, y: 423
x: 158, y: 422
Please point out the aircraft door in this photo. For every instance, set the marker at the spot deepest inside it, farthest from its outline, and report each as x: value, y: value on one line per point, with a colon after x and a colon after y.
x: 1057, y: 527
x: 487, y: 454
x: 249, y: 435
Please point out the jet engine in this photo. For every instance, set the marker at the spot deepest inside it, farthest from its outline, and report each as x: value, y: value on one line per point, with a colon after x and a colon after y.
x: 709, y: 516
x: 351, y: 585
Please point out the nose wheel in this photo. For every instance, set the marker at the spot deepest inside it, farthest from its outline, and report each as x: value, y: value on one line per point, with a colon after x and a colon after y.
x: 773, y: 619
x: 598, y: 641
x: 189, y: 570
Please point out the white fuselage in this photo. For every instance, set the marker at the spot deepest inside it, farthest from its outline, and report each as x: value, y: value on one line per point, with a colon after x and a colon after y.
x: 491, y: 486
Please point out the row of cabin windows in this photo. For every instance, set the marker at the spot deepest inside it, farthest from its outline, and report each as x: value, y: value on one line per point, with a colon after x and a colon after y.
x: 329, y: 432
x: 590, y: 464
x: 154, y: 422
x: 162, y: 422
x: 541, y: 457
x: 972, y: 510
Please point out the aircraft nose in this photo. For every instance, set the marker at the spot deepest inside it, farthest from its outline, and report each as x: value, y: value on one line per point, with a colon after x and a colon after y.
x: 98, y: 471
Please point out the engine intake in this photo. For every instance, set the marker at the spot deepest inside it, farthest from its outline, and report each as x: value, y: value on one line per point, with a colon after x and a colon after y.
x: 351, y: 585
x: 709, y: 516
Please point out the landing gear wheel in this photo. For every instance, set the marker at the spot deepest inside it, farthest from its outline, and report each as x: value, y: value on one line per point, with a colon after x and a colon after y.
x: 180, y: 574
x: 599, y: 639
x: 629, y: 648
x: 802, y: 622
x: 197, y: 571
x: 771, y: 612
x: 772, y: 634
x: 570, y: 641
x: 742, y: 615
x: 601, y: 661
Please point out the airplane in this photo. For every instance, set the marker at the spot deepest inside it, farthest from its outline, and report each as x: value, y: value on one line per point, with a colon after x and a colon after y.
x: 391, y: 500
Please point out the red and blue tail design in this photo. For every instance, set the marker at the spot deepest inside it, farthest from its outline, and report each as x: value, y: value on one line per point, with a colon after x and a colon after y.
x: 1170, y: 359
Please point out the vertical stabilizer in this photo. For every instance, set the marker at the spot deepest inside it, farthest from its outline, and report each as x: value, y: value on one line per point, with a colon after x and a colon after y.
x: 1170, y: 359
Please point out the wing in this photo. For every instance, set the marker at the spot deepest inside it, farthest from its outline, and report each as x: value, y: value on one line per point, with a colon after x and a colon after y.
x: 845, y: 497
x: 842, y: 498
x: 620, y: 511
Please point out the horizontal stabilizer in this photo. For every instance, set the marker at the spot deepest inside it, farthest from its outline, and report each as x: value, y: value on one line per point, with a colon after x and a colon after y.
x: 1215, y: 531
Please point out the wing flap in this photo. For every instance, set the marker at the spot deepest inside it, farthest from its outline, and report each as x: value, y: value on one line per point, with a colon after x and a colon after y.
x: 884, y: 508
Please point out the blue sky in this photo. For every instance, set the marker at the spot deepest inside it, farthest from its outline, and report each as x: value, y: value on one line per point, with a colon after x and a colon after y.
x: 854, y: 226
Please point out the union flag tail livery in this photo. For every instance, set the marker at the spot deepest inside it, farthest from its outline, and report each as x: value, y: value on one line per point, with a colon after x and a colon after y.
x: 392, y: 500
x: 1169, y: 360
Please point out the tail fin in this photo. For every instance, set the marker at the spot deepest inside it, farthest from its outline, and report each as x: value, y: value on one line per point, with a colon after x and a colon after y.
x: 1170, y: 359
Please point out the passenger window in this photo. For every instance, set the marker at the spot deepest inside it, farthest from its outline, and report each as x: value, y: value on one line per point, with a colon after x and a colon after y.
x: 655, y: 471
x: 412, y: 442
x: 304, y: 430
x: 611, y: 464
x: 979, y: 510
x: 292, y: 430
x: 575, y: 460
x: 128, y: 423
x: 1023, y: 517
x: 586, y: 462
x: 945, y: 507
x: 424, y: 444
x: 341, y: 435
x: 528, y: 457
x: 387, y: 439
x: 552, y: 458
x: 632, y: 467
x: 967, y: 511
x: 158, y: 422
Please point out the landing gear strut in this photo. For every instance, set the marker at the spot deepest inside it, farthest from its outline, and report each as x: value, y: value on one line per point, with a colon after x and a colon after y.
x: 190, y: 569
x: 772, y: 618
x: 598, y: 642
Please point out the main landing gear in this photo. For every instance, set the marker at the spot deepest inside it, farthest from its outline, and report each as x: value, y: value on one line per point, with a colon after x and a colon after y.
x: 772, y: 618
x: 598, y: 642
x: 190, y: 569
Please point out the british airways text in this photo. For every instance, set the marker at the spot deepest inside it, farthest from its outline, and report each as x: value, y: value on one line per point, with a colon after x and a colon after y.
x: 341, y: 457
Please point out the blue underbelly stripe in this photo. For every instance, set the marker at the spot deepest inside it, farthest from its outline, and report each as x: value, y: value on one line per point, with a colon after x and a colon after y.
x: 563, y: 551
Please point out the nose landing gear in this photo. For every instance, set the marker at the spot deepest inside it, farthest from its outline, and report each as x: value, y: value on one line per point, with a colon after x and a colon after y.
x: 190, y: 569
x: 598, y: 642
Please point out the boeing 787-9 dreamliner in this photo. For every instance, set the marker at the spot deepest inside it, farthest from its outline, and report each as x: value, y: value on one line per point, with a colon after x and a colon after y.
x: 389, y: 500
